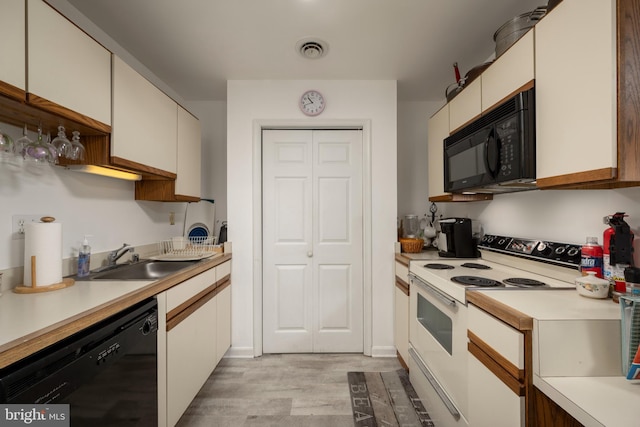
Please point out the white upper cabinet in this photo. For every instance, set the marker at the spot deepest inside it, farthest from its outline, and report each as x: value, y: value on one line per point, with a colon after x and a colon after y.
x: 145, y: 122
x: 576, y: 91
x: 466, y: 106
x: 189, y: 154
x: 513, y: 70
x: 12, y: 45
x: 437, y: 131
x: 66, y: 66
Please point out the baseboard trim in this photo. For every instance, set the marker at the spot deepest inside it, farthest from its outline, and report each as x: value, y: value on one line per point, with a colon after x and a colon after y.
x: 383, y: 351
x: 239, y: 353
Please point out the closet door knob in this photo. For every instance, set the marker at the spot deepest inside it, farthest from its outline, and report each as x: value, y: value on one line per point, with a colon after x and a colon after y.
x: 309, y: 254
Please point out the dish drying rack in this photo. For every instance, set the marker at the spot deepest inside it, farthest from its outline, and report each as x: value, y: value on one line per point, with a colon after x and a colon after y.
x: 630, y: 324
x: 187, y: 248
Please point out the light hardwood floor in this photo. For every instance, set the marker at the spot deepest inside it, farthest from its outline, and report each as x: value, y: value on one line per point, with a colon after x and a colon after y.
x: 281, y: 390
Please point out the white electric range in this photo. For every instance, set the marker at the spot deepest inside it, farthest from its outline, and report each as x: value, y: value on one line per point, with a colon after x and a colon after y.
x: 438, y: 311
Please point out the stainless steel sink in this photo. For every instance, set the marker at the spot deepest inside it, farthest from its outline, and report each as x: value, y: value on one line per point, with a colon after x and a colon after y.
x: 143, y: 270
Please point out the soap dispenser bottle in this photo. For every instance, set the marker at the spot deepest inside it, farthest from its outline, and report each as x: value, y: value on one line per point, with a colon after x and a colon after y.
x: 84, y: 258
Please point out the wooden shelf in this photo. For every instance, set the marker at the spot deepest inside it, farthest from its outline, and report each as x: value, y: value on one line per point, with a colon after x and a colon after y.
x: 36, y: 111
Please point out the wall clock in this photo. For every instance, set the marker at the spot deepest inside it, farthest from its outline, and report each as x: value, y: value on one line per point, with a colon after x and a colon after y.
x: 312, y: 103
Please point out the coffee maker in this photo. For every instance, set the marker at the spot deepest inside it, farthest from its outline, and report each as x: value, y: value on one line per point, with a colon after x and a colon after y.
x: 456, y: 239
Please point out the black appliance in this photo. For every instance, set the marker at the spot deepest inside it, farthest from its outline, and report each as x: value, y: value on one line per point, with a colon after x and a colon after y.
x: 495, y: 153
x: 222, y: 237
x: 107, y: 373
x: 456, y: 239
x: 562, y: 254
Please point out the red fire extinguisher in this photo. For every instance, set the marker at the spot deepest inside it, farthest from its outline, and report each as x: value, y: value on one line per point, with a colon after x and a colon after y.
x: 617, y: 249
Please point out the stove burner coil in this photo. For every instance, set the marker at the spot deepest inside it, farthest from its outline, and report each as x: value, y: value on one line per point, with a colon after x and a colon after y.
x: 475, y: 265
x: 523, y: 282
x: 436, y: 266
x: 476, y: 281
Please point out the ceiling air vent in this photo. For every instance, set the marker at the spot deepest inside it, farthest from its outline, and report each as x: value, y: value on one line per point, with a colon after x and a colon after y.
x: 312, y: 48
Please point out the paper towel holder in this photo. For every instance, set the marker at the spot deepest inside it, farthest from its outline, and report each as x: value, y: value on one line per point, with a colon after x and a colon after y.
x: 23, y: 289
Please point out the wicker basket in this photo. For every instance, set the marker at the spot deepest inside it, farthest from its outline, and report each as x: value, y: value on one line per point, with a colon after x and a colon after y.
x: 411, y: 245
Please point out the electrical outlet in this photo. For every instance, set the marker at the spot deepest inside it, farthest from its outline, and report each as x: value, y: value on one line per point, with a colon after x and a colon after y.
x: 18, y: 223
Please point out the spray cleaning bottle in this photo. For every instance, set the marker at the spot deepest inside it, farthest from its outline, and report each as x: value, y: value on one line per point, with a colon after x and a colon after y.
x: 84, y: 258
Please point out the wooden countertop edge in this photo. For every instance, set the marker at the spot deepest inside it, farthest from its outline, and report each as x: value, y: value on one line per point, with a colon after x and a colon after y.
x: 20, y: 348
x: 509, y: 315
x: 402, y: 259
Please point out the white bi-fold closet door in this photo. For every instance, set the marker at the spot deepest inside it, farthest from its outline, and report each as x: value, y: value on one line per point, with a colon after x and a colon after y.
x: 312, y: 241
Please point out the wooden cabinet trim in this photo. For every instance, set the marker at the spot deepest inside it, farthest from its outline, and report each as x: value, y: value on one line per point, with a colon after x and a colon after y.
x: 402, y: 260
x: 221, y: 285
x: 184, y: 310
x: 64, y: 112
x: 19, y: 112
x: 194, y: 302
x: 549, y: 413
x: 402, y: 362
x: 628, y: 82
x: 160, y: 191
x: 13, y: 92
x: 592, y: 177
x: 153, y: 173
x: 503, y: 312
x: 504, y: 376
x: 502, y: 361
x: 457, y: 197
x: 402, y: 285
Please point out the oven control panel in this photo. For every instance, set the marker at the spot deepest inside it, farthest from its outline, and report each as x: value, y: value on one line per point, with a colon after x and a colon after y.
x: 566, y: 254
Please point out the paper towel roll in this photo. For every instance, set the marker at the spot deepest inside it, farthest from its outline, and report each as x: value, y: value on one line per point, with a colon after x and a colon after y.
x: 44, y: 241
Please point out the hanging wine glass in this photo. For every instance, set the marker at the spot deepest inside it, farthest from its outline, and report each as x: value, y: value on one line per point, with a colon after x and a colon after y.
x: 53, y: 159
x: 39, y: 151
x: 6, y: 145
x: 21, y: 143
x: 77, y: 151
x: 61, y: 143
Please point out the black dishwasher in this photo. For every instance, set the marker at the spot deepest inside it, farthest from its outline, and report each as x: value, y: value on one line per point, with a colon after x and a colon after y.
x: 107, y: 373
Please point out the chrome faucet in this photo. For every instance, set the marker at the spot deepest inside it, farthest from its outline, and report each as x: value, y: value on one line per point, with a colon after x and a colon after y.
x: 118, y: 253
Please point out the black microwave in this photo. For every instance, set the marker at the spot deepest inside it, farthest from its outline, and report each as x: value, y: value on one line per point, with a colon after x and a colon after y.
x: 495, y: 153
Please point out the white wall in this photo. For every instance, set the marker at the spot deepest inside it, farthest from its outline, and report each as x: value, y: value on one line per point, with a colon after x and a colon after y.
x: 84, y: 204
x: 250, y: 103
x: 412, y: 156
x: 557, y: 215
x: 213, y: 122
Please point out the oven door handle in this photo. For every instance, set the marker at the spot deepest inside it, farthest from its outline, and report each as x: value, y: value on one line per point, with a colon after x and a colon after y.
x: 441, y: 296
x: 434, y: 383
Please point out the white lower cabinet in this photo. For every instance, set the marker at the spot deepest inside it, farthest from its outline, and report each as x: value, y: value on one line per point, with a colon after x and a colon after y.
x: 491, y: 402
x: 223, y: 322
x: 401, y: 328
x: 496, y: 372
x: 197, y: 333
x: 401, y: 319
x: 191, y: 357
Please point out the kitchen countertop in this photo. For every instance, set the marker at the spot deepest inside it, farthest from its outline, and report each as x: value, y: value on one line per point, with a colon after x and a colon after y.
x: 31, y: 322
x: 553, y: 304
x: 406, y: 257
x: 592, y: 400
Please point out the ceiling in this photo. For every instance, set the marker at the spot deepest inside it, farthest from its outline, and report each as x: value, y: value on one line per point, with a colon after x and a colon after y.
x: 195, y: 46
